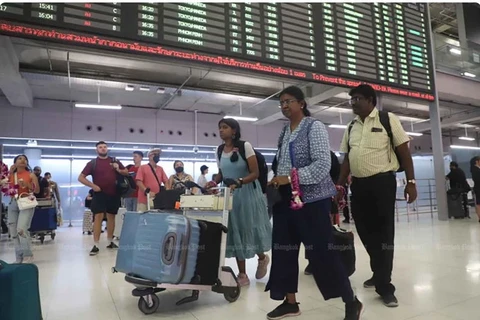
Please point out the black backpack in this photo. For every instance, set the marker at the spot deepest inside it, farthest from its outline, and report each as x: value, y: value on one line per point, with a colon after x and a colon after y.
x: 126, y: 185
x: 385, y: 121
x: 262, y: 164
x: 335, y: 167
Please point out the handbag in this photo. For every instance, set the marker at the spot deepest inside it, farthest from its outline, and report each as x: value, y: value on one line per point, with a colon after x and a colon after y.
x: 25, y: 203
x: 343, y: 242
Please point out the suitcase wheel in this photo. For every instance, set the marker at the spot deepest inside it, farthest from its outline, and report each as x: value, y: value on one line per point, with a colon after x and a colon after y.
x: 52, y: 236
x: 42, y: 239
x: 148, y: 304
x: 232, y: 294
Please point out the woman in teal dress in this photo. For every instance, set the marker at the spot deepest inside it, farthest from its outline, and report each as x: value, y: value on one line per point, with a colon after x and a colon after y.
x: 249, y: 228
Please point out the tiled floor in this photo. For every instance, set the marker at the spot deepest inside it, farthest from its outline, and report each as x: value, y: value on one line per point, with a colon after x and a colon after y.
x: 437, y: 275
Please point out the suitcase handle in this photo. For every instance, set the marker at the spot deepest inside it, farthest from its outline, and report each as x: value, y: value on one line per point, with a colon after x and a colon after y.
x: 168, y: 254
x: 184, y: 243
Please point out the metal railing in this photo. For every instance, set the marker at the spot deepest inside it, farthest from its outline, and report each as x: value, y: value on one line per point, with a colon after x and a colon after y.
x: 452, y: 59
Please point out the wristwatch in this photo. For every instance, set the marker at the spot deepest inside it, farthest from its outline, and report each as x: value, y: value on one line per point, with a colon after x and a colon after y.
x: 412, y: 181
x: 241, y: 182
x: 147, y: 191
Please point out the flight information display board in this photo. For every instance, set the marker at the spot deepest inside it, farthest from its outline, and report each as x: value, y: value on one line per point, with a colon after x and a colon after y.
x: 384, y: 44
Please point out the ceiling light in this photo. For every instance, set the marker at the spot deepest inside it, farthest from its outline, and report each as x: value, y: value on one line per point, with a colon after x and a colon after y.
x: 161, y: 90
x: 464, y: 147
x: 414, y: 134
x: 467, y: 138
x: 97, y: 106
x: 129, y: 88
x: 455, y: 51
x: 241, y: 118
x: 468, y: 74
x: 144, y: 89
x: 338, y: 126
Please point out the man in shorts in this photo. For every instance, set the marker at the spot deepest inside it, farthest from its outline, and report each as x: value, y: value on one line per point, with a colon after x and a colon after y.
x: 105, y: 198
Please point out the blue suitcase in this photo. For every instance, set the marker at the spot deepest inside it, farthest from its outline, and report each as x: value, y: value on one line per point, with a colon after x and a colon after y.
x: 19, y: 292
x: 44, y: 219
x: 158, y: 246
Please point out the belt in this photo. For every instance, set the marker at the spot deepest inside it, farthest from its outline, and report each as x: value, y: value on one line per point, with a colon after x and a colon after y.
x: 378, y: 175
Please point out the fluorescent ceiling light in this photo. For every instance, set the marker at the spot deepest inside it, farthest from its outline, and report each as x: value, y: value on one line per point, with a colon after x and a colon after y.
x: 468, y: 74
x: 338, y: 126
x: 464, y: 147
x: 455, y: 51
x: 97, y: 106
x: 414, y: 134
x: 144, y: 89
x: 467, y: 138
x: 241, y: 118
x: 129, y: 88
x: 161, y: 90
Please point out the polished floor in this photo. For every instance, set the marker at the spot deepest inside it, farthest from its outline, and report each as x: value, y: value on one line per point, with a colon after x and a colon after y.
x: 437, y: 275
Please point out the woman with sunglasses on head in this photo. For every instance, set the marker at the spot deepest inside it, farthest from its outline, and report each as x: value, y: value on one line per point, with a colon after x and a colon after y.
x: 302, y: 177
x: 249, y: 228
x: 19, y: 221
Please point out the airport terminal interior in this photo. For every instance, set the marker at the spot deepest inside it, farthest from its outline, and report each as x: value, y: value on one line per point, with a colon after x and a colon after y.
x: 161, y: 77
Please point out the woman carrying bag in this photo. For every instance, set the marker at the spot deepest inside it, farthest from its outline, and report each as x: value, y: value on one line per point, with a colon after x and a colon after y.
x: 22, y: 185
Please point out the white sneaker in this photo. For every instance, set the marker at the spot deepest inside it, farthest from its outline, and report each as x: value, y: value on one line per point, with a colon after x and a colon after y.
x: 28, y: 259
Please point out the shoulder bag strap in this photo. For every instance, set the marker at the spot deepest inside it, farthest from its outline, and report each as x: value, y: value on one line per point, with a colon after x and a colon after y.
x: 155, y: 175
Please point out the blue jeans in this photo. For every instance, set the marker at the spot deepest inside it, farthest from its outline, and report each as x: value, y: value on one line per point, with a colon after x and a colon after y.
x: 131, y: 204
x: 19, y: 222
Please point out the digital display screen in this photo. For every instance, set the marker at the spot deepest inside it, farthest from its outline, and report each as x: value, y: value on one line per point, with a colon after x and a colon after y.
x: 384, y: 44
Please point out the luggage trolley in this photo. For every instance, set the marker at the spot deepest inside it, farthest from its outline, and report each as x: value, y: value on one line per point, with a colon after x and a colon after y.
x: 212, y: 208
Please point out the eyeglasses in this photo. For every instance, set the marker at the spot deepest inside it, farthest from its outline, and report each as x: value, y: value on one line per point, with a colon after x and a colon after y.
x: 353, y: 100
x: 286, y: 102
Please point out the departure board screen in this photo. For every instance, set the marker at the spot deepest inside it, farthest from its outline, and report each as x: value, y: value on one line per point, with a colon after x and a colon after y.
x: 344, y: 44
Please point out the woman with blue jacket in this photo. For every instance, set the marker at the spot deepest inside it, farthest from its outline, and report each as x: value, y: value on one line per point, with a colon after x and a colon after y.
x: 302, y: 176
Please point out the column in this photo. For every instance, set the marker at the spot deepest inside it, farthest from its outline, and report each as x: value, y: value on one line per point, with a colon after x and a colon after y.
x: 437, y: 145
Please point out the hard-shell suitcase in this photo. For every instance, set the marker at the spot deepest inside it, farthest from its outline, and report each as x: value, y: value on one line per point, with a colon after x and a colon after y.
x: 87, y: 222
x: 19, y: 292
x: 158, y: 246
x: 119, y: 217
x: 455, y: 205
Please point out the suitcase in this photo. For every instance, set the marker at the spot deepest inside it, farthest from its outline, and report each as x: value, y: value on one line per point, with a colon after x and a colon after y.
x: 455, y: 205
x: 87, y: 222
x: 44, y: 219
x: 19, y: 292
x: 159, y: 246
x: 343, y: 241
x: 119, y: 222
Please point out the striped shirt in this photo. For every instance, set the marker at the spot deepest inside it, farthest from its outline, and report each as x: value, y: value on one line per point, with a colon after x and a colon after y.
x: 371, y: 151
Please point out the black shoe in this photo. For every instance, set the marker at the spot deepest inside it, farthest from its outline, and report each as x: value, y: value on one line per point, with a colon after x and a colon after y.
x: 308, y: 270
x: 94, y: 251
x: 112, y: 246
x: 353, y: 310
x: 390, y: 300
x: 284, y: 310
x: 369, y: 283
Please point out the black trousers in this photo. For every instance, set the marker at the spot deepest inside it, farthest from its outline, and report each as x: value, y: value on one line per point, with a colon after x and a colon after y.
x: 311, y: 226
x: 373, y: 209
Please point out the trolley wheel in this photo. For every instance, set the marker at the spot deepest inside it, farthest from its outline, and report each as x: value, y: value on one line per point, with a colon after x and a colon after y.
x: 42, y: 239
x: 53, y: 236
x: 148, y: 304
x: 232, y: 295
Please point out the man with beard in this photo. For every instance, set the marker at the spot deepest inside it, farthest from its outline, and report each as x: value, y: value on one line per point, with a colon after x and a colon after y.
x: 105, y: 198
x: 149, y: 178
x: 44, y: 185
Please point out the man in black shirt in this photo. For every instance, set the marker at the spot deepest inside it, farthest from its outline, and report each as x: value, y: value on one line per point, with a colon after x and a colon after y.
x: 44, y: 185
x: 458, y: 181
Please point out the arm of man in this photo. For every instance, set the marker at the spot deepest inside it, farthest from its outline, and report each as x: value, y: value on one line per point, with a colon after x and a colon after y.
x: 82, y: 177
x: 400, y: 141
x: 166, y: 181
x: 121, y: 169
x: 139, y: 179
x: 345, y: 166
x: 35, y: 184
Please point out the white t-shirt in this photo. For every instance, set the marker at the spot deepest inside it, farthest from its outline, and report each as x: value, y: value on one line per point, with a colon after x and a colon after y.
x: 249, y: 152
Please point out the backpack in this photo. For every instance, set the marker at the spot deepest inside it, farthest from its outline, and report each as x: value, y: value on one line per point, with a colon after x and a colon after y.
x: 126, y: 185
x: 385, y: 121
x: 262, y: 164
x: 335, y: 167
